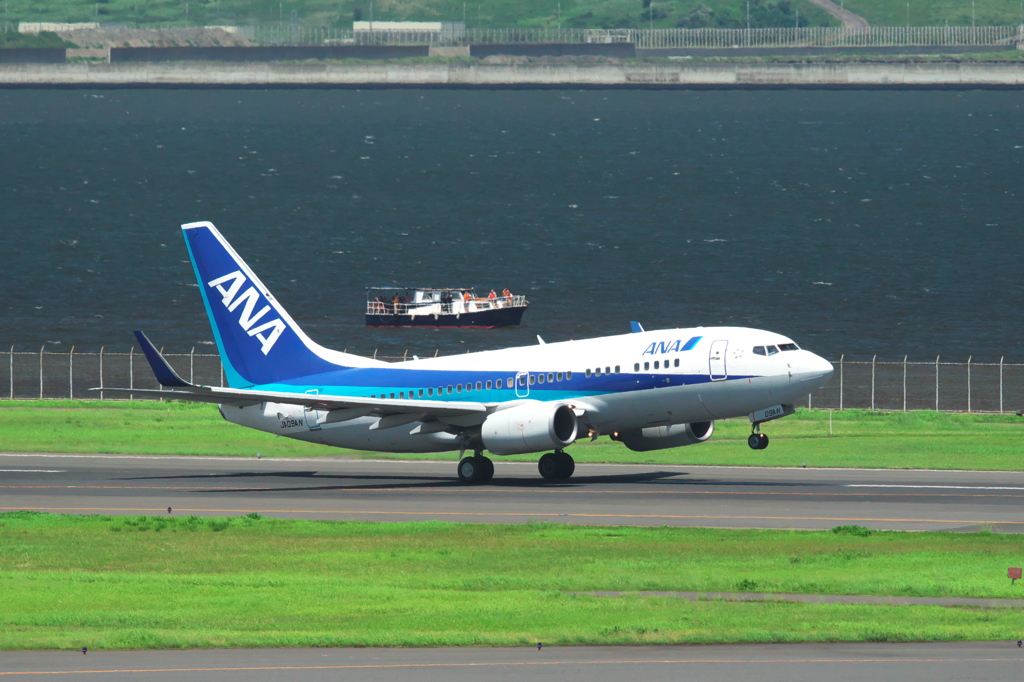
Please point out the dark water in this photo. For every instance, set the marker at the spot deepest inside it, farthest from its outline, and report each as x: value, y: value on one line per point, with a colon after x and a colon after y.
x: 856, y: 222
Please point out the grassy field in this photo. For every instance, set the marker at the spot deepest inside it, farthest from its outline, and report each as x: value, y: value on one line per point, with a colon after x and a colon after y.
x: 818, y: 438
x: 524, y: 13
x: 154, y: 582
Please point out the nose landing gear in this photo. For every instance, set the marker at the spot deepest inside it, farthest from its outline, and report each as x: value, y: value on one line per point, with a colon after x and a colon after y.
x: 757, y: 440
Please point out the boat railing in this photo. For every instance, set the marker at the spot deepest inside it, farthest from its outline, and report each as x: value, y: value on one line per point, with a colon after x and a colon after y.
x: 457, y: 306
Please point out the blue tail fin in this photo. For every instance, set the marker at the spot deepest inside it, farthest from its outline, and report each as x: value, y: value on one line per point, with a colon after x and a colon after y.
x: 259, y: 342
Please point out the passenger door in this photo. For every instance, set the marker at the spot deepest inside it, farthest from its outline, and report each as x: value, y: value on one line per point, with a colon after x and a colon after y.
x: 716, y: 360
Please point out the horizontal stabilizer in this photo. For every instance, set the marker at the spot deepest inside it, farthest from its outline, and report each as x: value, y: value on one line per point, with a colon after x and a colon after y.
x: 165, y: 374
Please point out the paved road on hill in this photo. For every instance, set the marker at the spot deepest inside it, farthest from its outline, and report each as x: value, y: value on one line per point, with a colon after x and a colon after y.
x: 765, y: 663
x: 733, y: 497
x: 853, y: 23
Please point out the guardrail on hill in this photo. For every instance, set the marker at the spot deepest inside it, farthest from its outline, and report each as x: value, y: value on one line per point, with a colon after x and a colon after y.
x: 659, y: 38
x: 865, y: 384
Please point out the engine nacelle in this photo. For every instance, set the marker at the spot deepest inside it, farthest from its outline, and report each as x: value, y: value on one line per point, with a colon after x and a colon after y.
x: 532, y: 426
x: 661, y: 437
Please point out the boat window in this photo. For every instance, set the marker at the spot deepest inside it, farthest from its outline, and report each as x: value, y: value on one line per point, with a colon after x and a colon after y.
x: 551, y: 378
x: 788, y: 346
x: 430, y: 391
x: 421, y: 392
x: 759, y: 350
x: 559, y: 375
x: 587, y: 373
x: 449, y: 389
x: 568, y: 376
x: 636, y: 367
x: 458, y: 388
x: 488, y: 384
x: 480, y: 385
x: 677, y: 362
x: 647, y: 366
x: 772, y: 350
x: 533, y: 379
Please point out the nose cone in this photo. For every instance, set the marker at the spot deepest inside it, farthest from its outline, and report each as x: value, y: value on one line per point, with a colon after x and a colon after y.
x: 817, y: 369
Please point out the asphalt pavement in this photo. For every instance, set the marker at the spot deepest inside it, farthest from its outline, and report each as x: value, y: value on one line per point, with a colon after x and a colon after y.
x: 729, y: 497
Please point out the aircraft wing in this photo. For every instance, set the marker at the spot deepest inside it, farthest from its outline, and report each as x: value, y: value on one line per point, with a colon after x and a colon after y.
x: 353, y: 405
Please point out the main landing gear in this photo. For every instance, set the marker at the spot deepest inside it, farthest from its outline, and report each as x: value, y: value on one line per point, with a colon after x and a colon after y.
x: 476, y: 469
x: 556, y: 466
x: 757, y: 440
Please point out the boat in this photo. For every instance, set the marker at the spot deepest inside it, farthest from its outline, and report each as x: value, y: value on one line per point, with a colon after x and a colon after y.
x: 444, y: 307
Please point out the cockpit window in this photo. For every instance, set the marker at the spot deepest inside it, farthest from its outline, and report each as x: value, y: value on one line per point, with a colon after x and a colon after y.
x: 759, y: 350
x: 788, y: 346
x: 772, y: 350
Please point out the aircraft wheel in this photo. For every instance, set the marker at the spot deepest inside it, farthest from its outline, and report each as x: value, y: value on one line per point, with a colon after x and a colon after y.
x: 754, y: 441
x: 486, y: 469
x: 566, y: 466
x: 470, y: 470
x: 764, y: 441
x: 549, y: 466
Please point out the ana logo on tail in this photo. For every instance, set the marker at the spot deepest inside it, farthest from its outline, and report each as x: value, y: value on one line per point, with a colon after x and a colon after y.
x: 268, y: 332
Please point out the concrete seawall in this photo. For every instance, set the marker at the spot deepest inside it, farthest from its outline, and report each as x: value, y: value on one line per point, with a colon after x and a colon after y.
x: 529, y: 75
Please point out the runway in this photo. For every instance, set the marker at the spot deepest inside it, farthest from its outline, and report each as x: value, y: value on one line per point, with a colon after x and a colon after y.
x: 728, y: 497
x: 764, y: 663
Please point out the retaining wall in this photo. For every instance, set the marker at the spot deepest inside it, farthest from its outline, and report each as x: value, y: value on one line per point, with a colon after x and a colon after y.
x: 33, y: 55
x: 265, y: 54
x: 617, y: 50
x: 529, y: 75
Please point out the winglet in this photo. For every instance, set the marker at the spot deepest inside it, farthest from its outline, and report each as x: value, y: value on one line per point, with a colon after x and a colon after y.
x: 635, y: 326
x: 165, y: 374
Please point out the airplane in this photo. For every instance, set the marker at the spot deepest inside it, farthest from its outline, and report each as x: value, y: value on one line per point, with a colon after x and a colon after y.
x: 647, y: 389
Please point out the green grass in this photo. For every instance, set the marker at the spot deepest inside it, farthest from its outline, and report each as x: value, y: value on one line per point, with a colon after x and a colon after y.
x: 855, y: 438
x: 524, y: 13
x: 153, y: 582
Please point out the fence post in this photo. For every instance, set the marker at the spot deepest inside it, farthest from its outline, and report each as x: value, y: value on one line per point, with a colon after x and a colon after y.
x: 904, y: 383
x: 12, y: 371
x: 101, y: 372
x: 1001, y: 383
x: 221, y: 373
x: 131, y: 373
x: 937, y: 382
x: 969, y: 382
x: 41, y: 371
x: 841, y: 380
x: 71, y: 374
x: 873, y: 358
x: 192, y: 366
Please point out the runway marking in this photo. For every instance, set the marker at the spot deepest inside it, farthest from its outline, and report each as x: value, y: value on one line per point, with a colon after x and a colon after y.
x: 940, y: 487
x: 515, y: 514
x: 542, y: 490
x: 519, y: 663
x: 32, y: 471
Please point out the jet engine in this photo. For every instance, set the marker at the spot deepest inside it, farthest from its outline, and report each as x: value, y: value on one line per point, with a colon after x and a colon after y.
x: 661, y: 437
x: 530, y: 426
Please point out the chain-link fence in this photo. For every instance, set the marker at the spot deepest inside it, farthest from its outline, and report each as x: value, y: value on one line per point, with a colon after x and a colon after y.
x: 952, y: 386
x: 658, y: 38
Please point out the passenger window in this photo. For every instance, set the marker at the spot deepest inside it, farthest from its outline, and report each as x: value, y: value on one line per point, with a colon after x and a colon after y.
x: 402, y: 395
x: 449, y: 389
x: 551, y: 377
x: 488, y: 384
x: 656, y: 364
x: 759, y: 350
x: 498, y: 383
x: 559, y: 375
x: 480, y: 385
x: 618, y: 370
x: 677, y: 362
x: 607, y: 370
x: 772, y: 350
x: 647, y: 366
x: 430, y: 391
x: 540, y: 378
x: 636, y: 367
x: 597, y: 371
x: 421, y: 392
x: 392, y: 396
x: 458, y: 388
x: 568, y: 376
x: 587, y: 373
x: 533, y: 379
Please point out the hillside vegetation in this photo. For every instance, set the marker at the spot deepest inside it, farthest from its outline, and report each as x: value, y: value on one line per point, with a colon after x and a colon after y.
x: 520, y: 13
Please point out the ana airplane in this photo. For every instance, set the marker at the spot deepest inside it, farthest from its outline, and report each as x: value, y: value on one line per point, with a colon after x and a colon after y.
x: 648, y: 389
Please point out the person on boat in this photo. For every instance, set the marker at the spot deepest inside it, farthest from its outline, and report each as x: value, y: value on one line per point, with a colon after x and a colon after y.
x: 446, y: 302
x: 492, y: 294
